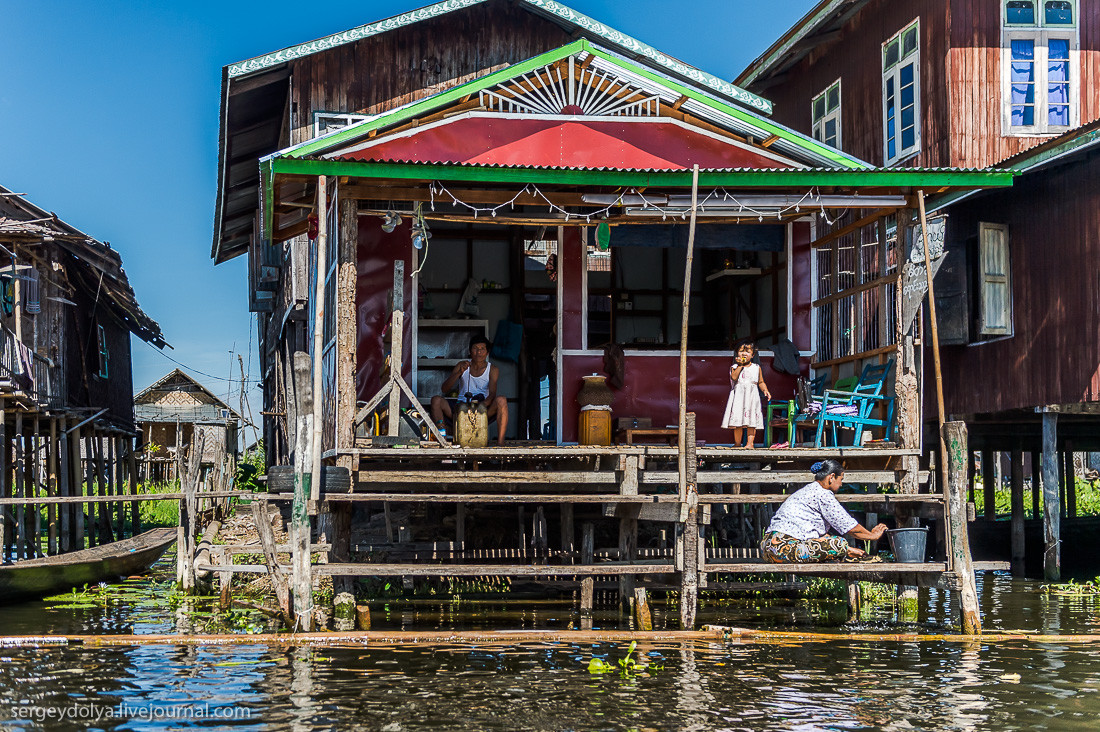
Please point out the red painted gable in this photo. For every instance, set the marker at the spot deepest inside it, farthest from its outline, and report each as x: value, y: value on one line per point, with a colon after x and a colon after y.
x: 570, y: 143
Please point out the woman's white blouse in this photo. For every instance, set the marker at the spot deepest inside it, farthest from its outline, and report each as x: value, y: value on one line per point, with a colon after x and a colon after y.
x: 809, y: 512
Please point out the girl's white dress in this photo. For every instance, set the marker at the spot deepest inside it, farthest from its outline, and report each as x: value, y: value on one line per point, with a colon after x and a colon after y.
x: 743, y: 408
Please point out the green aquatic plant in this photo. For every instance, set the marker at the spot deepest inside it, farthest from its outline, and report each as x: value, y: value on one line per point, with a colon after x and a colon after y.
x: 1073, y: 588
x: 627, y: 666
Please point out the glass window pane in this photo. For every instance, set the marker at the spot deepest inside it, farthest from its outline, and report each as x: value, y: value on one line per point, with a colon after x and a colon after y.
x: 830, y: 132
x: 1058, y: 12
x: 909, y: 42
x: 1058, y: 49
x: 1020, y: 12
x: 889, y: 111
x: 1022, y: 89
x: 890, y: 55
x: 834, y: 98
x: 819, y: 108
x: 1058, y: 114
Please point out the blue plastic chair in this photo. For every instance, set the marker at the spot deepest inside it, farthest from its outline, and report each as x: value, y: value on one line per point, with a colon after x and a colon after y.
x: 854, y: 408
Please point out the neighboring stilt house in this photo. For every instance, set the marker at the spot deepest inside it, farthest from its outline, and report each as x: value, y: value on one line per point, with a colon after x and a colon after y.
x: 66, y: 410
x: 979, y: 83
x: 563, y: 189
x: 168, y: 414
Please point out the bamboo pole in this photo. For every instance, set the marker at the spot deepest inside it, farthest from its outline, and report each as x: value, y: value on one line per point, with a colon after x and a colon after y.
x: 20, y: 489
x: 318, y: 336
x: 684, y: 315
x: 935, y: 334
x: 407, y: 638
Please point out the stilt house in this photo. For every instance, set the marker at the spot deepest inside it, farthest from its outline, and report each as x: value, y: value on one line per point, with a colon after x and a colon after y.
x: 562, y: 172
x: 66, y: 411
x: 170, y: 411
x: 970, y: 84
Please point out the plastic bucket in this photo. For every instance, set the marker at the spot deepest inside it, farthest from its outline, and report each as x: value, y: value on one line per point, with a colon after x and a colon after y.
x: 908, y: 544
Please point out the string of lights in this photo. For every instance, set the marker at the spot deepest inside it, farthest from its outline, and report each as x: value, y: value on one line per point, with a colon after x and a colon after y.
x: 809, y: 200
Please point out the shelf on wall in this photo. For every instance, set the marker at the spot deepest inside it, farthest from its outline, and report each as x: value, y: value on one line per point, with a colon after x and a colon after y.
x: 742, y: 272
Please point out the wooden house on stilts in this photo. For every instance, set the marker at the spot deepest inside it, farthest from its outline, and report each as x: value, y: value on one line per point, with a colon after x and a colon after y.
x: 67, y: 465
x: 518, y: 170
x: 1006, y: 84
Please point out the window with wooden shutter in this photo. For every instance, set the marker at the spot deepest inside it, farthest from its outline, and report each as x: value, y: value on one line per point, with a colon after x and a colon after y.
x: 995, y: 280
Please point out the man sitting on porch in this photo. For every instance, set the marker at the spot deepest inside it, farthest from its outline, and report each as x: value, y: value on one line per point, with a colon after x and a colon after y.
x: 476, y: 380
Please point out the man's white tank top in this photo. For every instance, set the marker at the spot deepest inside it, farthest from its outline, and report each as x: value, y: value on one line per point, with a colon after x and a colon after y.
x: 476, y: 385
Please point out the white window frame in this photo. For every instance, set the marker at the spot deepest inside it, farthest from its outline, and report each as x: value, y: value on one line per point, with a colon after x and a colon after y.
x: 817, y: 124
x: 894, y: 73
x: 1002, y: 278
x: 1041, y: 35
x: 328, y: 118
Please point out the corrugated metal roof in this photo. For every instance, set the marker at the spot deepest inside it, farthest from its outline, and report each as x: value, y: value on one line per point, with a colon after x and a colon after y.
x: 744, y: 122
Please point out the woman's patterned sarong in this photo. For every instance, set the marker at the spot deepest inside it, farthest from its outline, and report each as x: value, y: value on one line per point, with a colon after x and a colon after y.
x: 779, y: 548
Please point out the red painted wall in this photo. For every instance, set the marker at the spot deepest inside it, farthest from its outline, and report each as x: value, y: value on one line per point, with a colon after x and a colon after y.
x: 376, y: 255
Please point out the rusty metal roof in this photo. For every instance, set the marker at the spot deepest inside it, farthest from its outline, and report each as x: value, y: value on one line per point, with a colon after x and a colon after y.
x: 97, y: 265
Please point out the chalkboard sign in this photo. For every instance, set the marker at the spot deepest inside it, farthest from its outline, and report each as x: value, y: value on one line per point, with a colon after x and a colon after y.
x: 914, y: 277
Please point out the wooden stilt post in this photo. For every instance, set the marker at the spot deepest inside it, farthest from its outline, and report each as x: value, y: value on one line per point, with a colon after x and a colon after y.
x: 954, y: 436
x: 1052, y: 512
x: 61, y: 443
x: 989, y: 485
x: 628, y: 528
x: 568, y: 543
x: 52, y: 511
x: 1018, y: 512
x: 1036, y: 484
x: 346, y: 391
x: 76, y: 474
x: 304, y: 474
x: 1069, y: 478
x: 275, y: 571
x: 20, y: 490
x: 855, y: 601
x: 132, y: 480
x: 689, y: 578
x: 588, y: 583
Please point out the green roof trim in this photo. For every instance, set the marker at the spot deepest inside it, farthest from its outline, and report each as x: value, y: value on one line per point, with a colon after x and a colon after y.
x: 765, y: 126
x: 771, y: 177
x: 548, y: 8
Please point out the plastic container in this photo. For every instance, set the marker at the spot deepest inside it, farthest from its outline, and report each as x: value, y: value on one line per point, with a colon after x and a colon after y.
x: 909, y: 545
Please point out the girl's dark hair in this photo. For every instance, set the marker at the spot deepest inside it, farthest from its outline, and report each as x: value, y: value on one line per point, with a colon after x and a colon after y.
x: 825, y: 468
x: 750, y: 344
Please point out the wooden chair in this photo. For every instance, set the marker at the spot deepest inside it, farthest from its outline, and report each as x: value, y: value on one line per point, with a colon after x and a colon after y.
x: 853, y: 407
x: 806, y: 418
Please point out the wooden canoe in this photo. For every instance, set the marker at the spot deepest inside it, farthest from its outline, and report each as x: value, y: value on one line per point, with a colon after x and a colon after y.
x: 34, y: 578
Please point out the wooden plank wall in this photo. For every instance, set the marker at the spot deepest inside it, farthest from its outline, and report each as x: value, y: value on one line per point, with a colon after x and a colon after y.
x: 960, y: 81
x: 395, y: 68
x: 1054, y: 238
x: 856, y: 57
x: 974, y: 71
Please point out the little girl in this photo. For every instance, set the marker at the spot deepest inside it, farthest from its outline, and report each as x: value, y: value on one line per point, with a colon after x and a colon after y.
x: 743, y: 408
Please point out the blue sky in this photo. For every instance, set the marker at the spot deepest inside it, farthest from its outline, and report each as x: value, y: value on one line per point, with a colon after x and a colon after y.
x: 109, y: 118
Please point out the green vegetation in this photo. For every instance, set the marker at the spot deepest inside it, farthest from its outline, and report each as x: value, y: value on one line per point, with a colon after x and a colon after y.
x: 1072, y: 588
x: 1088, y: 499
x: 626, y: 666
